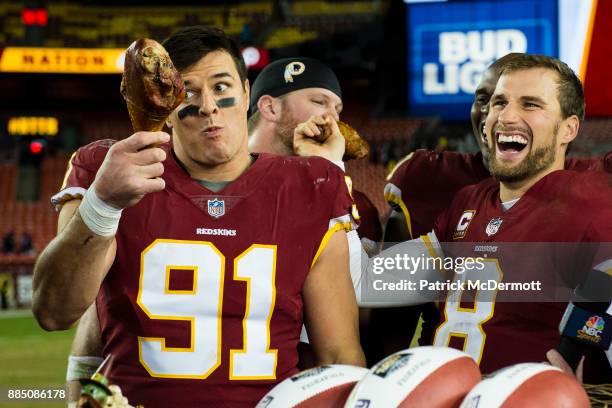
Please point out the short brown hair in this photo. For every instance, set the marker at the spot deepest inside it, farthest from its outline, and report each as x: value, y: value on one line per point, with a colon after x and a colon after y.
x: 569, y: 88
x: 190, y: 44
x: 499, y: 64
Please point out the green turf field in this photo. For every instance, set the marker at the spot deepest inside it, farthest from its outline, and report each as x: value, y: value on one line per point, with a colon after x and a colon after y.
x: 31, y: 357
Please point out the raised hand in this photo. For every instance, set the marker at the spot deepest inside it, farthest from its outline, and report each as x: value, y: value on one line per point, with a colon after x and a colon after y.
x: 319, y: 136
x: 132, y: 168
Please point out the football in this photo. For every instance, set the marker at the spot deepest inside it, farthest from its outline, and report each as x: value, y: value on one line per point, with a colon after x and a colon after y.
x: 320, y: 387
x: 528, y: 385
x: 432, y: 377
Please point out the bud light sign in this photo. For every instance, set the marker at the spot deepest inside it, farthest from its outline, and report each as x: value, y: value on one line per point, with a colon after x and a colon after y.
x: 451, y: 44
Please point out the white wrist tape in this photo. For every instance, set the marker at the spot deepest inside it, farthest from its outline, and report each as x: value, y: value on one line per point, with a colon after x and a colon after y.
x: 101, y: 218
x: 339, y: 163
x: 81, y: 367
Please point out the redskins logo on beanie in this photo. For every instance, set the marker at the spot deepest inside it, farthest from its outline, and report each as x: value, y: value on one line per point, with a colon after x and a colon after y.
x: 291, y: 74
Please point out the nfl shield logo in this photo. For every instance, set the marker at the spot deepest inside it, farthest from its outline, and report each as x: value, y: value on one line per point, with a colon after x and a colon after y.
x: 216, y: 208
x: 493, y: 226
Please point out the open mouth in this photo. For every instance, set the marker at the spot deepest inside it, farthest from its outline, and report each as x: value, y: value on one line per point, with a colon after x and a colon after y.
x: 511, y: 142
x: 483, y: 135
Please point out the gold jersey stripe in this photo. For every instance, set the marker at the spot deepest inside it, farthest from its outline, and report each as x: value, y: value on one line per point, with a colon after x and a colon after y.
x: 392, y: 198
x: 335, y: 228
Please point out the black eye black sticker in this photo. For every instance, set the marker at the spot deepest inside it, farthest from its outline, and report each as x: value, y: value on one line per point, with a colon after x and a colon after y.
x: 193, y: 110
x: 226, y: 102
x: 190, y: 110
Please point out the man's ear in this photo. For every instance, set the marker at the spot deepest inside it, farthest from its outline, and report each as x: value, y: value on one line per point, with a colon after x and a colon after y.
x: 268, y: 108
x: 569, y: 129
x: 247, y: 93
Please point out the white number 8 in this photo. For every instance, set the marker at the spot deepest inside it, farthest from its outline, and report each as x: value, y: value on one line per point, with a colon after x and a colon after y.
x: 467, y: 323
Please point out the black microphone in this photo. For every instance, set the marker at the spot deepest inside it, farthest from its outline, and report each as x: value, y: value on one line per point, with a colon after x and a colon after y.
x: 587, y: 321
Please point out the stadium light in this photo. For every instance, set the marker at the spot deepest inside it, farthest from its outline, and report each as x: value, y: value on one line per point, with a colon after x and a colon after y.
x: 37, y: 146
x: 34, y: 17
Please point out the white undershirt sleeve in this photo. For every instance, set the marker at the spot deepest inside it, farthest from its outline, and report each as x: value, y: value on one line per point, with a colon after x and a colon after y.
x: 376, y: 279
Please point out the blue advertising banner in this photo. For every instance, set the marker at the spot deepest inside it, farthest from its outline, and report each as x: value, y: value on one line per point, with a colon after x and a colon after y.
x: 452, y: 43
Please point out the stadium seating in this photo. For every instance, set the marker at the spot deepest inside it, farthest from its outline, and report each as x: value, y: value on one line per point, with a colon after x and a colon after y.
x: 36, y: 218
x: 113, y: 126
x: 369, y: 179
x: 8, y: 178
x: 76, y: 25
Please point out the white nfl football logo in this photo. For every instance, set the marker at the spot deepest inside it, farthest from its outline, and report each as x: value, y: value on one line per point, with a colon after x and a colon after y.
x: 493, y: 226
x: 216, y: 208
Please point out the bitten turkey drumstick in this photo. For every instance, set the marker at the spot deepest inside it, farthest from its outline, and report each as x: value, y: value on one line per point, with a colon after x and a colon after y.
x: 355, y: 146
x: 151, y: 85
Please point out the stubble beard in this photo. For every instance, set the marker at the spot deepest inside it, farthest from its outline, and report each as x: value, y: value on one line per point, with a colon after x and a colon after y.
x: 285, y: 128
x: 536, y: 161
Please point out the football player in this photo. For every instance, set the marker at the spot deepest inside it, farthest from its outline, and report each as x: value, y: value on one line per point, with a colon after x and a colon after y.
x: 420, y: 188
x: 313, y: 93
x: 312, y: 97
x: 188, y: 248
x: 423, y: 183
x: 285, y: 114
x: 535, y: 112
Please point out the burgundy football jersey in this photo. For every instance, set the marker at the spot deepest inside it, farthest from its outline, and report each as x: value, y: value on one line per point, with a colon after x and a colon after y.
x: 423, y: 184
x: 420, y: 187
x: 563, y: 207
x: 203, y: 303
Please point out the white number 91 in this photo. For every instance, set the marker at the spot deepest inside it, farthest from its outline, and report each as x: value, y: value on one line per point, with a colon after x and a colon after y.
x: 202, y: 307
